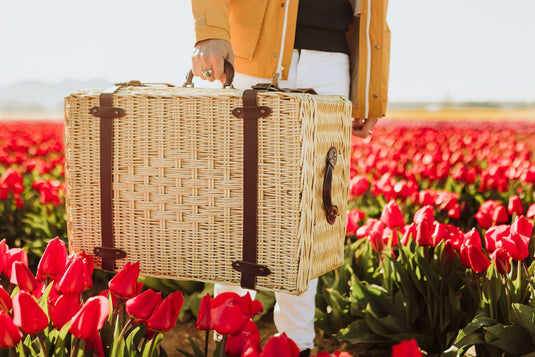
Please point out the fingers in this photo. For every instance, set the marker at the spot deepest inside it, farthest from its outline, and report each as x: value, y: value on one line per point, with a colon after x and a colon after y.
x: 208, y: 59
x: 363, y: 128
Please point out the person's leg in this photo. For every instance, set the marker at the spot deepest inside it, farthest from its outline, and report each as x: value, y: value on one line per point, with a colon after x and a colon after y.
x: 294, y: 315
x: 220, y: 288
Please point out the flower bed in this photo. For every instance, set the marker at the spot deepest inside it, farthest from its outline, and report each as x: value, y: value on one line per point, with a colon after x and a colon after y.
x: 438, y: 249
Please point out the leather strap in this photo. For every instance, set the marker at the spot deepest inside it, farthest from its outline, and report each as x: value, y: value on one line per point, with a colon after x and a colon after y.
x: 250, y: 113
x: 107, y: 113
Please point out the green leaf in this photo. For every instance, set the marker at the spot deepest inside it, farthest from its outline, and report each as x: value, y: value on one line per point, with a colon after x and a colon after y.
x: 509, y: 338
x: 472, y: 333
x: 133, y: 338
x: 359, y: 332
x: 524, y: 316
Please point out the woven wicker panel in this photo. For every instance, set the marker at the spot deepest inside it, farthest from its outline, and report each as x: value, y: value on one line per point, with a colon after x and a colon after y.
x: 177, y: 182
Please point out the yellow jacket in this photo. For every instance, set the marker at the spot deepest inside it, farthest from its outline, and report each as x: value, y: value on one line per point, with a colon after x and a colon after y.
x: 256, y: 29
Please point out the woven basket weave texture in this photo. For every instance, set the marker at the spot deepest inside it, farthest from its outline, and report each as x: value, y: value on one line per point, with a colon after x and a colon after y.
x: 177, y: 182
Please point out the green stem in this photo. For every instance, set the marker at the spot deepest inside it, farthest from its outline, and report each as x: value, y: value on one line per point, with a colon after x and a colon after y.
x: 21, y: 349
x: 223, y: 346
x: 152, y: 344
x: 119, y: 341
x: 206, y: 337
x: 41, y: 338
x: 74, y: 349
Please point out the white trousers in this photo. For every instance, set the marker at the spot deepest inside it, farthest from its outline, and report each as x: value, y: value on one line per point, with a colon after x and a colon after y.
x: 328, y: 74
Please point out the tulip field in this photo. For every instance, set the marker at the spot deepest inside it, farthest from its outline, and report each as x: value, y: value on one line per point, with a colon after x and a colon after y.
x: 439, y: 259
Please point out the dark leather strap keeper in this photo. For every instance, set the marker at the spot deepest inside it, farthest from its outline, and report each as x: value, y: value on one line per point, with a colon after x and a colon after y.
x: 109, y: 253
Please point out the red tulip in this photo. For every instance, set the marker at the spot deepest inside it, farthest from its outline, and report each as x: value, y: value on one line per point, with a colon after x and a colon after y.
x: 3, y: 255
x: 227, y: 316
x: 61, y: 309
x: 141, y: 307
x: 166, y: 313
x: 376, y: 236
x: 91, y: 317
x: 529, y: 214
x: 473, y: 238
x: 410, y: 231
x: 5, y: 300
x: 27, y: 314
x: 425, y: 213
x: 494, y: 235
x: 407, y: 348
x: 10, y: 335
x: 14, y: 255
x: 502, y: 260
x: 491, y: 212
x: 249, y: 306
x: 54, y: 259
x: 23, y: 277
x: 522, y: 226
x: 478, y: 260
x: 353, y: 217
x: 204, y: 322
x: 124, y: 284
x: 280, y: 346
x: 94, y: 344
x: 448, y: 254
x: 73, y: 280
x: 515, y: 205
x: 392, y: 216
x: 358, y: 185
x: 248, y: 339
x: 424, y: 233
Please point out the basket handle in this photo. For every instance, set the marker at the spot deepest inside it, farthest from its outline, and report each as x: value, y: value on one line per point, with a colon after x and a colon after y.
x: 229, y: 76
x: 331, y: 210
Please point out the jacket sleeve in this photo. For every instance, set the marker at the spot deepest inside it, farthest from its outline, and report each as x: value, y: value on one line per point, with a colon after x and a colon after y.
x: 211, y: 19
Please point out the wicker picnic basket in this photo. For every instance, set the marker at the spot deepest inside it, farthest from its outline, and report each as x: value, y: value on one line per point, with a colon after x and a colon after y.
x: 163, y: 176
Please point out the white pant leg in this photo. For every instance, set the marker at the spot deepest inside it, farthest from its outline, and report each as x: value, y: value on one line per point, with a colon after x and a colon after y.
x: 328, y: 74
x: 294, y: 315
x: 220, y: 288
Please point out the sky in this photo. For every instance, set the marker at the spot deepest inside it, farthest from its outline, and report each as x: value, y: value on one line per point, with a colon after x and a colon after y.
x: 455, y: 50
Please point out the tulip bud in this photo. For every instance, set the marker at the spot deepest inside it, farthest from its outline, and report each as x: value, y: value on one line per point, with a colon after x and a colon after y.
x: 53, y: 261
x: 14, y: 255
x: 478, y: 260
x: 392, y: 216
x: 124, y: 284
x: 249, y: 338
x: 91, y: 317
x: 280, y: 345
x: 358, y: 185
x: 515, y: 205
x: 166, y: 313
x: 141, y: 307
x: 226, y: 314
x: 5, y: 300
x: 203, y: 318
x: 27, y: 314
x: 424, y: 233
x: 407, y: 348
x: 502, y: 260
x: 23, y: 277
x: 3, y: 255
x: 10, y: 335
x: 62, y: 309
x: 447, y: 253
x: 529, y: 214
x: 72, y: 281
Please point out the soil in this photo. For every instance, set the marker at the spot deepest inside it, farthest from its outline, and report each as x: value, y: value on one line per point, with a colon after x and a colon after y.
x: 179, y: 338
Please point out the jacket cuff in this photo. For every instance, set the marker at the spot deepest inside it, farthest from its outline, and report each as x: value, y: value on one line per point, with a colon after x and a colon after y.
x: 211, y: 26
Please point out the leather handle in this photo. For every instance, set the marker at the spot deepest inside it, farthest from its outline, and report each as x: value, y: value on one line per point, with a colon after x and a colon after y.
x: 229, y: 76
x: 331, y: 210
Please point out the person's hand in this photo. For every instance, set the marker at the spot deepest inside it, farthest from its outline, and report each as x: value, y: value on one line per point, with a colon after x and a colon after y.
x: 363, y: 127
x: 208, y: 58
